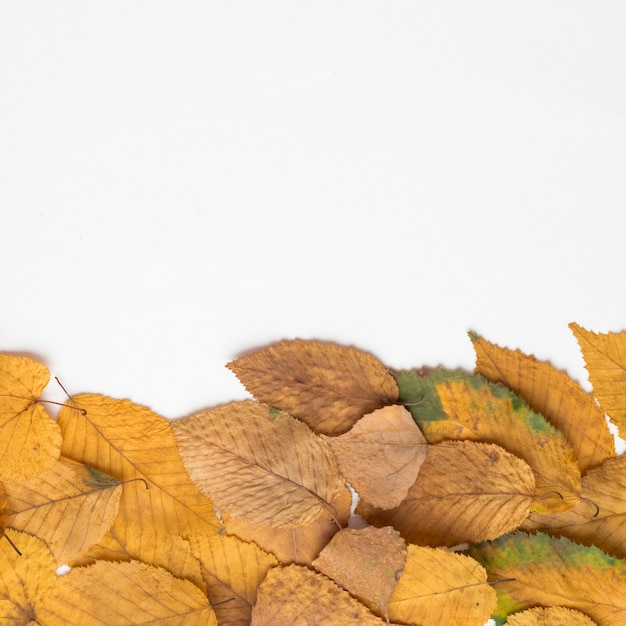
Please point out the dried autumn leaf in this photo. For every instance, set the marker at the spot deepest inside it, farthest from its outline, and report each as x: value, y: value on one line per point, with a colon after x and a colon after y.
x: 551, y: 616
x: 297, y: 595
x: 300, y: 545
x: 465, y: 492
x: 130, y: 593
x: 482, y: 411
x: 259, y: 466
x: 440, y: 587
x: 129, y: 441
x: 600, y: 517
x: 64, y: 508
x: 24, y: 579
x: 553, y: 394
x: 366, y: 562
x: 381, y: 455
x: 233, y: 570
x: 30, y: 441
x: 605, y: 360
x: 555, y: 572
x: 329, y: 387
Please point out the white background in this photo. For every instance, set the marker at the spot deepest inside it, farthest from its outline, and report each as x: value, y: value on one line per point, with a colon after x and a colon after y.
x: 182, y: 182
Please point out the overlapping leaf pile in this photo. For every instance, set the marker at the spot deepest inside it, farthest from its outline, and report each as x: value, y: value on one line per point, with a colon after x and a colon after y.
x: 239, y: 514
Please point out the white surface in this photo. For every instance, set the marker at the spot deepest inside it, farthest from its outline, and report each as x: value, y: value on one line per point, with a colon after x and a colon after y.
x: 182, y: 182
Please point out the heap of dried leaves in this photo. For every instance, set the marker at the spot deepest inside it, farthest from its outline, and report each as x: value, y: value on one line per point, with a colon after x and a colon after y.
x: 238, y: 514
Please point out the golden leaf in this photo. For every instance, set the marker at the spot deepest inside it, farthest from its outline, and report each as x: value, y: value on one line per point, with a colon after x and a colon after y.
x: 131, y: 593
x: 550, y: 616
x: 296, y: 595
x: 366, y: 562
x: 328, y: 386
x: 61, y: 507
x: 553, y: 394
x: 439, y: 587
x: 465, y: 492
x: 129, y: 441
x: 233, y: 570
x: 381, y: 455
x: 30, y: 442
x: 258, y: 468
x: 605, y: 360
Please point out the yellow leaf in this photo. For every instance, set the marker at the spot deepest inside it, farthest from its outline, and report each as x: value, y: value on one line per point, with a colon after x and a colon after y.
x: 61, y: 507
x: 439, y: 587
x: 233, y: 570
x: 129, y: 441
x: 605, y: 359
x: 553, y: 394
x: 550, y: 616
x: 30, y: 442
x: 259, y: 468
x: 296, y: 595
x: 366, y: 562
x: 381, y: 455
x: 25, y: 579
x: 130, y: 594
x: 328, y: 386
x: 465, y: 492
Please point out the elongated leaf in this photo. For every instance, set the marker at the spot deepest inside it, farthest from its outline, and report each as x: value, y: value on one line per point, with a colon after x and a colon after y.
x: 553, y: 394
x: 551, y: 616
x: 482, y: 411
x: 62, y: 507
x: 439, y: 587
x: 328, y: 386
x: 555, y: 572
x: 259, y: 467
x: 465, y: 492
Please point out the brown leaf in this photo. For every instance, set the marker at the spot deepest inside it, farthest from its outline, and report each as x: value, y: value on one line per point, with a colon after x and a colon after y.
x: 605, y: 359
x: 129, y: 441
x: 64, y: 508
x: 30, y: 442
x: 328, y: 386
x: 299, y: 545
x: 550, y: 616
x: 439, y: 587
x: 258, y: 466
x: 296, y: 595
x: 600, y: 517
x: 233, y: 570
x: 553, y: 394
x: 465, y: 492
x: 366, y: 562
x: 381, y: 455
x: 130, y: 594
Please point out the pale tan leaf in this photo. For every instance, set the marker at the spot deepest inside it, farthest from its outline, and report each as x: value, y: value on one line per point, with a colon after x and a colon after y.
x: 381, y: 455
x: 64, y: 508
x: 296, y: 595
x: 257, y: 465
x: 439, y: 587
x: 131, y: 593
x: 465, y: 492
x: 553, y: 394
x: 328, y: 386
x: 550, y: 616
x: 366, y: 562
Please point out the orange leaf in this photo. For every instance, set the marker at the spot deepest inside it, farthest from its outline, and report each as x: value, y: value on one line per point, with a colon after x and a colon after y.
x: 605, y: 359
x: 366, y: 562
x: 328, y: 386
x: 549, y: 616
x: 129, y: 441
x: 259, y: 468
x: 296, y: 595
x: 30, y: 442
x: 64, y: 508
x: 381, y: 455
x: 439, y: 587
x: 553, y: 394
x: 465, y: 492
